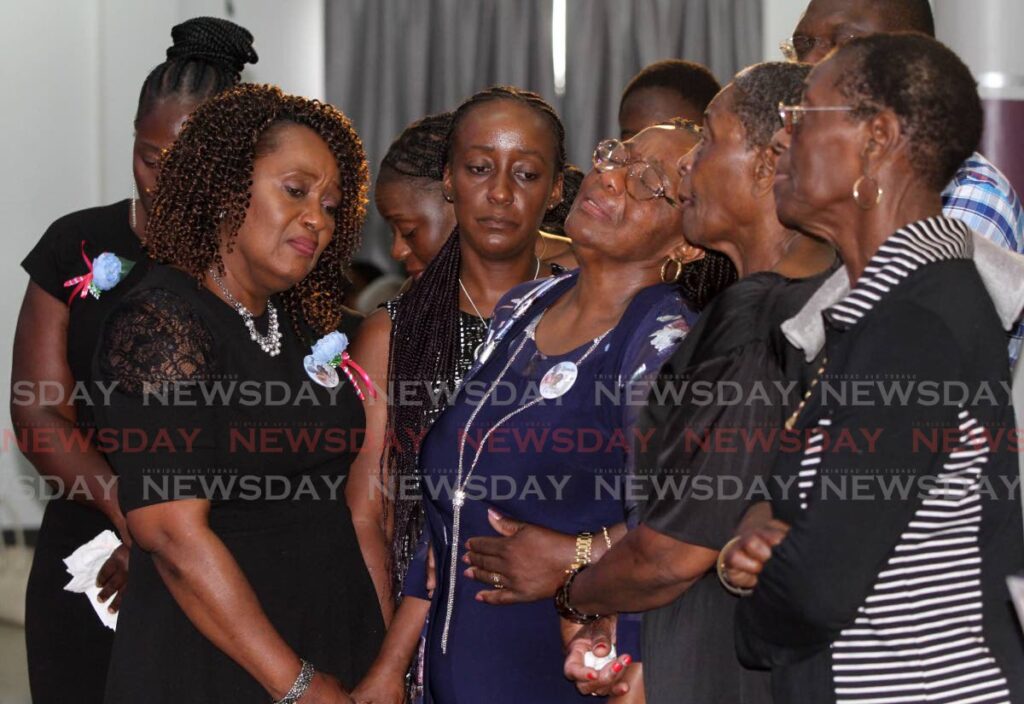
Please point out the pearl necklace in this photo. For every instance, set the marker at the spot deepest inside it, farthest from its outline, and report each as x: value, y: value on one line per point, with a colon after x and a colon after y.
x: 459, y: 498
x: 269, y: 343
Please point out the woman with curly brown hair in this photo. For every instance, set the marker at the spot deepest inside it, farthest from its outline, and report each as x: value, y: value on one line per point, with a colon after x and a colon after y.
x: 81, y: 253
x: 247, y: 577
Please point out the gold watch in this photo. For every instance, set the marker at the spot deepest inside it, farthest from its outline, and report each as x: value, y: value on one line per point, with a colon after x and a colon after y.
x: 584, y: 551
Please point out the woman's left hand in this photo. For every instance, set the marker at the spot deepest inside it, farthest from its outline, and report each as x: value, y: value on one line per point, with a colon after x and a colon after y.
x: 527, y: 560
x: 112, y: 578
x: 744, y: 559
x: 597, y: 638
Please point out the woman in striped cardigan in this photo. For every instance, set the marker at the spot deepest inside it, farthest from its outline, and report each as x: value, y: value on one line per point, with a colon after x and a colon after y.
x: 881, y: 576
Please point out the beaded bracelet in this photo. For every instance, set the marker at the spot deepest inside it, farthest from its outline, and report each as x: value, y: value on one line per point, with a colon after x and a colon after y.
x: 300, y: 685
x: 563, y: 596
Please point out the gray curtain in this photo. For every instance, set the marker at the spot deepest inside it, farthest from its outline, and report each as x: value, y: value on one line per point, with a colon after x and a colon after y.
x: 390, y: 62
x: 609, y: 41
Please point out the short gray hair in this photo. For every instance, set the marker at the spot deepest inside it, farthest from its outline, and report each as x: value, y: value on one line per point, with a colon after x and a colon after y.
x: 758, y: 91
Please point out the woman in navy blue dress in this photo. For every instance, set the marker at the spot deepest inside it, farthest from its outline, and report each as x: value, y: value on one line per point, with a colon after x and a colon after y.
x: 540, y: 429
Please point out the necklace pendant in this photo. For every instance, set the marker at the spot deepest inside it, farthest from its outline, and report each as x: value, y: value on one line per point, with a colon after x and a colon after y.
x: 324, y: 375
x: 459, y: 499
x: 558, y: 380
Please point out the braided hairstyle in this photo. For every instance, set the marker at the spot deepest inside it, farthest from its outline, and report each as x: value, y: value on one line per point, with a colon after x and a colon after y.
x: 419, y: 152
x: 207, y: 57
x: 424, y: 344
x: 204, y: 188
x: 554, y: 219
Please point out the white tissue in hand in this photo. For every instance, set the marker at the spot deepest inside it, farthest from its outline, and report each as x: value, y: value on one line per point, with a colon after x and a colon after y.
x: 591, y: 660
x: 84, y: 565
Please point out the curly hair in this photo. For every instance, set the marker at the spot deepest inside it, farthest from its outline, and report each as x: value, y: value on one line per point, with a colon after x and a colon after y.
x: 759, y: 89
x: 927, y: 86
x: 207, y: 57
x: 205, y: 181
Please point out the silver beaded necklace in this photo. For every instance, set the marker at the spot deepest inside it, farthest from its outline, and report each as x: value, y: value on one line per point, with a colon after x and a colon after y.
x: 269, y: 343
x: 463, y: 476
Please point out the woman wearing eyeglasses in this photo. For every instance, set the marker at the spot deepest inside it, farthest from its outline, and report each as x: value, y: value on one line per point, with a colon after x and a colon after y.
x: 543, y: 420
x: 861, y: 592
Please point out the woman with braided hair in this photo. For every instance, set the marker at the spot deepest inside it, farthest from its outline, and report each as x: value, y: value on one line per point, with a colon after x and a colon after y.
x: 501, y: 175
x: 68, y: 646
x: 408, y: 195
x: 248, y: 582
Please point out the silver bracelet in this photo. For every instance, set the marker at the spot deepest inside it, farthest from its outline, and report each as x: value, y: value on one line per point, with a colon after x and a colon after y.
x: 300, y: 685
x: 720, y: 569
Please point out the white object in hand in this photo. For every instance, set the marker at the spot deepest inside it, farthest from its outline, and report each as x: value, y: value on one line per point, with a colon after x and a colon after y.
x: 592, y: 661
x: 84, y: 565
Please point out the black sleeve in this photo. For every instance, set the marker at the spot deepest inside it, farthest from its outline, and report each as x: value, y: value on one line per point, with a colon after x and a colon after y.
x: 713, y: 449
x: 155, y: 350
x: 54, y: 258
x: 822, y: 572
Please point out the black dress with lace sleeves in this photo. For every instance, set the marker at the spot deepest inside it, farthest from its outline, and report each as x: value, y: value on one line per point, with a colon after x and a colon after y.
x: 202, y: 412
x: 155, y: 352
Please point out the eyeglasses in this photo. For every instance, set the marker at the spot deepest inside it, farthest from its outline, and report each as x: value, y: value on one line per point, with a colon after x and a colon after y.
x: 643, y: 181
x: 793, y: 115
x: 799, y: 46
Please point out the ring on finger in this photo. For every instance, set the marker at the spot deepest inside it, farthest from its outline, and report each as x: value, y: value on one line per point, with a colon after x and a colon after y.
x: 496, y: 580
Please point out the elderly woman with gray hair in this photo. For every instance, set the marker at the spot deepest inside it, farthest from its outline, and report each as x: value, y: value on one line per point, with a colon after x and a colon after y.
x: 874, y: 594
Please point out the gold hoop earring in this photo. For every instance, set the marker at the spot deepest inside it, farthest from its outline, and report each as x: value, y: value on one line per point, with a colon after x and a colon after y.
x: 857, y: 193
x: 665, y: 278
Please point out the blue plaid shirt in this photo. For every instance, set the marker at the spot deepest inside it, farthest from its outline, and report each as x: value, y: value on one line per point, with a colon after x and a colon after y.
x: 982, y: 197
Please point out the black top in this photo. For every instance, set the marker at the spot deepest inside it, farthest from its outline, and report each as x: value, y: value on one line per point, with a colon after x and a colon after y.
x: 208, y: 414
x: 55, y: 259
x: 704, y: 475
x: 890, y: 582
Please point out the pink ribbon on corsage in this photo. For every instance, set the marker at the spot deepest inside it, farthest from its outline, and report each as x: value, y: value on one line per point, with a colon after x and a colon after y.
x: 348, y: 365
x: 81, y: 283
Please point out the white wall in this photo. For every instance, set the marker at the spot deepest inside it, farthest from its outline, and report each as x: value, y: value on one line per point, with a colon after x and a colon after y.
x: 780, y: 18
x: 71, y: 73
x: 986, y: 35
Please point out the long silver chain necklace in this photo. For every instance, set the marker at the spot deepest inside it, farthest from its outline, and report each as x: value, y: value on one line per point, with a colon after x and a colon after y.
x: 478, y: 348
x: 459, y: 498
x: 269, y: 343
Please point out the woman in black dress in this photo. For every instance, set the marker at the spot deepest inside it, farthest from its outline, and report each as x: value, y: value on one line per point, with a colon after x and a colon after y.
x: 665, y: 566
x: 247, y: 580
x: 68, y: 647
x: 882, y: 577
